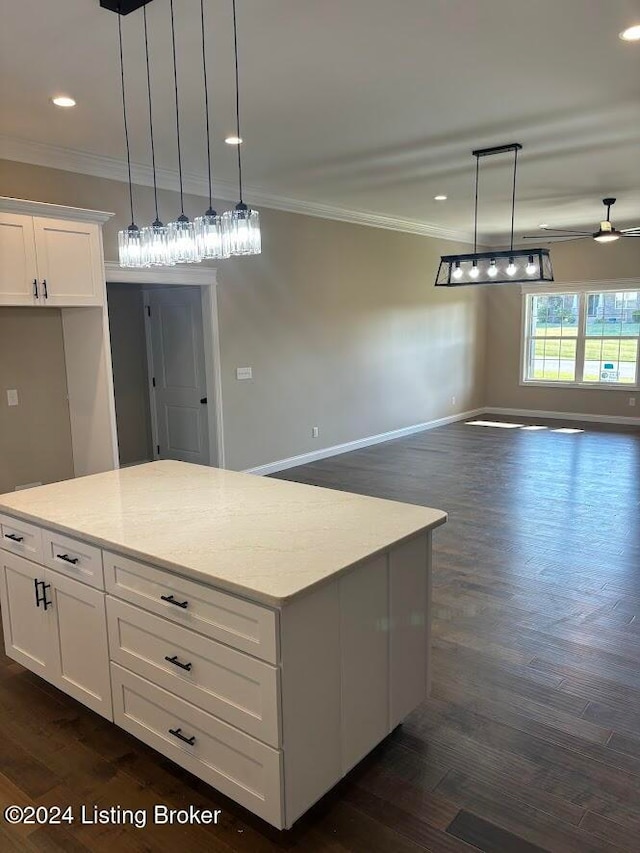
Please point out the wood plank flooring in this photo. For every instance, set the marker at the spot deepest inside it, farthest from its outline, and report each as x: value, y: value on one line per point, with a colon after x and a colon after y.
x: 531, y: 739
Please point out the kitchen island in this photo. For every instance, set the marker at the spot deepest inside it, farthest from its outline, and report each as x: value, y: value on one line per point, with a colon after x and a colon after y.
x: 263, y: 634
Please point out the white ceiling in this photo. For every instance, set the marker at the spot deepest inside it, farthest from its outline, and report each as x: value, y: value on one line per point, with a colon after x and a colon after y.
x: 350, y: 105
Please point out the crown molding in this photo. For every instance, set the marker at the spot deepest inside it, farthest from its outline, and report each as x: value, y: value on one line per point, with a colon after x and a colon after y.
x: 55, y: 211
x: 200, y: 276
x: 71, y: 160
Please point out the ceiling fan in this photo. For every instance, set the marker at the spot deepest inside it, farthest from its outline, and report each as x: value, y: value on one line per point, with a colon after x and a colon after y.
x: 606, y: 233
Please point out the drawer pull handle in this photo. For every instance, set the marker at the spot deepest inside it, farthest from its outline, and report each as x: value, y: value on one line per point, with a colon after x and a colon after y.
x: 14, y: 537
x: 73, y: 560
x: 174, y: 660
x: 171, y: 600
x: 178, y: 733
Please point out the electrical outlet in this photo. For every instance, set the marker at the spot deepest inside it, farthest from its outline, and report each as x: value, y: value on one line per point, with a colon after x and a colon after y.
x: 632, y: 401
x: 453, y: 401
x: 244, y: 373
x: 12, y: 397
x: 315, y: 432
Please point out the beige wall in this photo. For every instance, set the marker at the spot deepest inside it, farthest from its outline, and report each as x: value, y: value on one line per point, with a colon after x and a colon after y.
x: 341, y: 323
x: 35, y: 436
x: 572, y: 262
x: 129, y: 357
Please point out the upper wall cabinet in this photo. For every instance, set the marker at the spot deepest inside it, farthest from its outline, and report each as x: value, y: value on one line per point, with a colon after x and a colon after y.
x: 50, y: 260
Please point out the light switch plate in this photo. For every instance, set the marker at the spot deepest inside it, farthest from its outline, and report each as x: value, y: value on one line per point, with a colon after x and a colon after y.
x: 244, y: 373
x: 12, y: 397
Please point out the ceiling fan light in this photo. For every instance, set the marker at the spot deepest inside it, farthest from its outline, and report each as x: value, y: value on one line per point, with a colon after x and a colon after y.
x: 604, y: 236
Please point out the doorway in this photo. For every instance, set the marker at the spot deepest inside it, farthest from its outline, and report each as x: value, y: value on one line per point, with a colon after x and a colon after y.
x: 166, y: 365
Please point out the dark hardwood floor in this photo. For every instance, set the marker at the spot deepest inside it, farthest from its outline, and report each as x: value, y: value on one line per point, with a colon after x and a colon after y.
x: 531, y: 739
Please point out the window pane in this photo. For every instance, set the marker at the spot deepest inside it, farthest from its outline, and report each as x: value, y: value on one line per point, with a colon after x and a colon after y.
x: 611, y: 313
x: 555, y: 315
x: 610, y: 360
x: 552, y: 359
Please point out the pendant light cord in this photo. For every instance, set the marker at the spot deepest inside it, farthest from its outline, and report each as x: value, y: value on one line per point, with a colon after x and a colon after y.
x: 124, y: 114
x: 235, y: 47
x: 206, y: 104
x: 475, y: 216
x: 175, y: 84
x: 153, y: 149
x: 513, y: 194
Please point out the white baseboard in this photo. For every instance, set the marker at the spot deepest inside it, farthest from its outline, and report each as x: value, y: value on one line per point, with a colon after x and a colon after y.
x: 563, y: 416
x: 337, y: 449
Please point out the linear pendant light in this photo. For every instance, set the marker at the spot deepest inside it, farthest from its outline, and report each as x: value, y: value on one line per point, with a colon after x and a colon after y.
x: 182, y: 238
x: 129, y: 239
x: 155, y: 237
x: 212, y: 240
x: 495, y: 267
x: 242, y: 225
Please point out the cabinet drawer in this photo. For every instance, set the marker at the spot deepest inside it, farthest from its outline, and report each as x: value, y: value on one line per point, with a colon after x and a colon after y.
x: 73, y: 558
x: 21, y: 538
x: 233, y: 621
x: 237, y: 765
x: 230, y: 684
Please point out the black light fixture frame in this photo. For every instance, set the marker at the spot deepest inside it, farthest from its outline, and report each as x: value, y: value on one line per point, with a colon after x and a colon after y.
x: 481, y: 260
x: 123, y: 7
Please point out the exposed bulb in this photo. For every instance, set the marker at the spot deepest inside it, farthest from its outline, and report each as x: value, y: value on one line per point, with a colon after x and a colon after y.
x: 492, y: 272
x: 512, y: 269
x: 474, y: 272
x: 531, y: 268
x: 457, y: 273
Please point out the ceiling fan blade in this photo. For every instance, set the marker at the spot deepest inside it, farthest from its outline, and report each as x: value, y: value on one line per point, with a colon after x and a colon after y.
x: 630, y: 230
x: 565, y: 231
x: 561, y: 238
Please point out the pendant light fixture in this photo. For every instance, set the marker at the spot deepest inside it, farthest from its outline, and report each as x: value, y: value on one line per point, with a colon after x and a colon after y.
x: 495, y: 267
x: 182, y: 239
x: 211, y: 237
x: 155, y: 237
x: 129, y: 239
x: 242, y: 225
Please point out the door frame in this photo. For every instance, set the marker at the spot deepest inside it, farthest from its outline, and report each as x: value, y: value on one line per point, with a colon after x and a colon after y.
x: 206, y: 279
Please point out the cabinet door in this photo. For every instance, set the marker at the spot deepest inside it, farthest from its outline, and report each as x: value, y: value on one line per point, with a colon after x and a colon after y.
x: 69, y: 258
x: 18, y: 273
x: 79, y: 648
x: 26, y: 626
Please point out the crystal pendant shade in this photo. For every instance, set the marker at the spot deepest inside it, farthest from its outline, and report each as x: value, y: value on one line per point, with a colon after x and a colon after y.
x: 155, y: 245
x: 130, y: 247
x: 211, y: 238
x: 242, y: 229
x: 182, y: 241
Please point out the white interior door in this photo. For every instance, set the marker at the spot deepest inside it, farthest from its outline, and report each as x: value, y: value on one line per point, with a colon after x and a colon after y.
x: 177, y: 374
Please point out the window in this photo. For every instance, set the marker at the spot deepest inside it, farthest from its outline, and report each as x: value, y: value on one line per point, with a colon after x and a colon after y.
x: 587, y: 338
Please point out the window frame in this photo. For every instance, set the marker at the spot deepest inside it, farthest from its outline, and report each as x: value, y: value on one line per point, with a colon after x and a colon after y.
x: 583, y: 290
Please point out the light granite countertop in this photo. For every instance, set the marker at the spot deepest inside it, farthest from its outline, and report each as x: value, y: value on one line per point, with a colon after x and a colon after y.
x: 267, y: 540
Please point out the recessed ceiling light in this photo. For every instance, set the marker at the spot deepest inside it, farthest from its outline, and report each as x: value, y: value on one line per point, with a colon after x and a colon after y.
x: 631, y: 33
x: 63, y: 101
x: 543, y: 225
x: 439, y: 198
x: 233, y: 140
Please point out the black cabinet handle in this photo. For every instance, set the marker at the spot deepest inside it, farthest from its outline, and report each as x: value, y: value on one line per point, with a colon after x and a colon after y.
x: 42, y: 599
x: 73, y: 560
x: 171, y: 600
x: 14, y: 537
x: 35, y: 288
x: 174, y: 660
x: 178, y: 733
x: 44, y: 287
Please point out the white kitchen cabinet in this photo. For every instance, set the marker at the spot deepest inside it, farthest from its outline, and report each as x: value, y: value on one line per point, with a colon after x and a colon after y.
x: 49, y: 261
x: 18, y: 268
x: 56, y: 627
